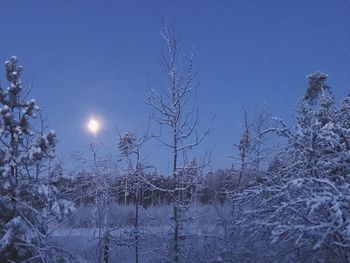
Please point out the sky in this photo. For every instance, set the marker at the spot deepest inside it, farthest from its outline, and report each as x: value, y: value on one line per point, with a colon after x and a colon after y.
x: 98, y: 58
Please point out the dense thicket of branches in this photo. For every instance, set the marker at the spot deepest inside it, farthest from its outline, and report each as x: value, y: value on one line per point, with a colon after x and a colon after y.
x: 303, y: 200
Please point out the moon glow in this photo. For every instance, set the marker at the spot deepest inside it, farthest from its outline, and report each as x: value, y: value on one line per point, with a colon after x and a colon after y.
x: 93, y: 126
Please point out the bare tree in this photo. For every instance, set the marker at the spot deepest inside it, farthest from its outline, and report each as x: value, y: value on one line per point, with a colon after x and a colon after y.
x: 254, y: 146
x: 130, y: 148
x: 260, y: 126
x: 99, y: 190
x: 244, y: 149
x: 173, y: 112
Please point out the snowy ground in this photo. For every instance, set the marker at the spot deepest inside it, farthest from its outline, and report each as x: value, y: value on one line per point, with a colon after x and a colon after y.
x: 83, y: 243
x: 204, y: 237
x: 156, y: 232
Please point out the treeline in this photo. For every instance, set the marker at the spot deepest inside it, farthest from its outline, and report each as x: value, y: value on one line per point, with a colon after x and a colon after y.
x: 152, y: 189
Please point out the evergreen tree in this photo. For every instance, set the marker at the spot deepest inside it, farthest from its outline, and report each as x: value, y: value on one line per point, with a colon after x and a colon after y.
x: 28, y: 197
x: 305, y: 203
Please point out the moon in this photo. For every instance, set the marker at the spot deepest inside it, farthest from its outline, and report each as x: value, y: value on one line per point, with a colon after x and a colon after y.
x: 93, y: 126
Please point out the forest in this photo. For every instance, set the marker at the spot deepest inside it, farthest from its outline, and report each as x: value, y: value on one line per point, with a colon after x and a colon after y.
x: 286, y: 197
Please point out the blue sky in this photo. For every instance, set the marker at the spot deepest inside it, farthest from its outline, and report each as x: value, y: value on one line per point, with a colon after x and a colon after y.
x: 98, y: 57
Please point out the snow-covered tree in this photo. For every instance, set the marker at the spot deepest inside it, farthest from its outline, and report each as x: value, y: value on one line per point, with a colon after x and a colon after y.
x: 174, y: 114
x: 305, y: 201
x: 28, y: 197
x: 97, y: 184
x: 130, y: 147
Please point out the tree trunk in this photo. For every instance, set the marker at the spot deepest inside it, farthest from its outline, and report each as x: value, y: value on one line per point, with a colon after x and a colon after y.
x: 137, y: 233
x: 106, y: 249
